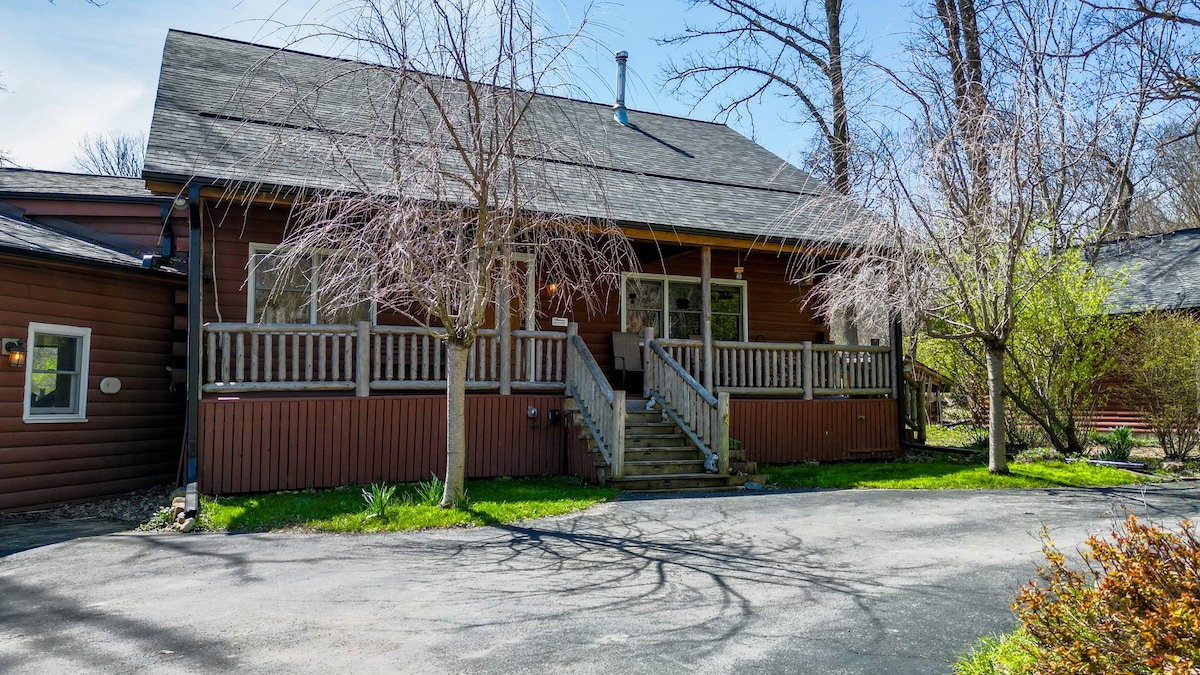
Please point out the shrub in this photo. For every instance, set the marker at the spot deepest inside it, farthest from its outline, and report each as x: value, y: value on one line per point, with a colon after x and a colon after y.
x: 1134, y: 608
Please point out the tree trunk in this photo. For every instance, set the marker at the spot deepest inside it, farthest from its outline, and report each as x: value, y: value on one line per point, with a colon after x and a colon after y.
x: 839, y: 143
x: 995, y: 369
x: 456, y: 409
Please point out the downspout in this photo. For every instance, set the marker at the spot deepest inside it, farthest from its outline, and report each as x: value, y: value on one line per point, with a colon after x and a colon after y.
x: 620, y: 114
x: 195, y: 279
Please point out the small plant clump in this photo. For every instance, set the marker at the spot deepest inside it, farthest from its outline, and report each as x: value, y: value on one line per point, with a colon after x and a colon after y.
x: 1134, y: 608
x: 1038, y: 456
x: 1118, y: 445
x: 378, y: 496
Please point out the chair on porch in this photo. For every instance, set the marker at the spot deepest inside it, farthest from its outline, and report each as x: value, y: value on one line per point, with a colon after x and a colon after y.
x: 627, y: 353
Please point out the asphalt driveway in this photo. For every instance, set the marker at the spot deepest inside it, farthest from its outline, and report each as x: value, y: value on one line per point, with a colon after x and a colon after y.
x: 801, y: 582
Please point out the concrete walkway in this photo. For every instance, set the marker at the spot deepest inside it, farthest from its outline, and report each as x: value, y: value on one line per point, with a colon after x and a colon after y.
x: 800, y: 582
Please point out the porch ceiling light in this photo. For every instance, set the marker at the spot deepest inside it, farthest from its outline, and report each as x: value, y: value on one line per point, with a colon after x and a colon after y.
x: 15, y: 349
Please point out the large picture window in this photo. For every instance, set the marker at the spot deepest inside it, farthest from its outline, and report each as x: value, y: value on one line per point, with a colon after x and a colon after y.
x: 673, y: 306
x: 278, y: 295
x: 56, y: 373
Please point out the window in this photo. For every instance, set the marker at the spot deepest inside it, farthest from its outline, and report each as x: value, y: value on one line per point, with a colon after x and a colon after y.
x: 277, y: 295
x: 56, y: 373
x: 676, y: 303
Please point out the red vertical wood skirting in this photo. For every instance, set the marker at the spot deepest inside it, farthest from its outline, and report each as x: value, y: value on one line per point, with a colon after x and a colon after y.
x: 258, y: 445
x: 780, y: 431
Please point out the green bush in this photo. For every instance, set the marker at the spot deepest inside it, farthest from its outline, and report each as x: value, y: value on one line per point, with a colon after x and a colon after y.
x: 1118, y: 445
x: 1038, y: 456
x: 1134, y: 608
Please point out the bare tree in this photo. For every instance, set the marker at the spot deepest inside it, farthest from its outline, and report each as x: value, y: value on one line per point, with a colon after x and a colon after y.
x: 997, y: 174
x: 450, y: 163
x: 112, y: 154
x: 757, y: 49
x: 1166, y: 31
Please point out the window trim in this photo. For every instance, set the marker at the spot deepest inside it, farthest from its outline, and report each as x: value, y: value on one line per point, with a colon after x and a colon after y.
x: 667, y: 279
x: 259, y: 247
x: 85, y: 358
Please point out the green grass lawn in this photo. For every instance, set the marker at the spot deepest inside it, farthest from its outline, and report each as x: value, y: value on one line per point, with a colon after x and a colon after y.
x: 945, y: 476
x: 489, y: 502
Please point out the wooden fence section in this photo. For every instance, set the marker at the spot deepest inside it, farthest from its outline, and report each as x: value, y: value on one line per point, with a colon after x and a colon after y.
x: 261, y: 445
x: 780, y: 431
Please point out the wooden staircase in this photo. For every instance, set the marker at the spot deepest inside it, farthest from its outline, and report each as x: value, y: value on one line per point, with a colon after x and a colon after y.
x: 659, y: 457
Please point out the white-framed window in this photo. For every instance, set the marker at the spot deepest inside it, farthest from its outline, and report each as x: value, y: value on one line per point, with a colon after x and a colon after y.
x: 275, y: 295
x: 56, y: 372
x: 672, y: 305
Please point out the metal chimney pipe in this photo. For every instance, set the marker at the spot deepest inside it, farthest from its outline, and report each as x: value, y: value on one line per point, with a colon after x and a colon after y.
x: 620, y: 114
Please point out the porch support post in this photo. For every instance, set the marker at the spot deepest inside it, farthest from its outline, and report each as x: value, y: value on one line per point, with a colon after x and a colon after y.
x: 362, y: 361
x: 194, y: 334
x: 897, y: 338
x: 504, y: 323
x: 706, y: 314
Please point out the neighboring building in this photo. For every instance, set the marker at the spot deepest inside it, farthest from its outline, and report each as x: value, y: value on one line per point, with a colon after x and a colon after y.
x: 1162, y: 274
x: 307, y: 404
x: 95, y: 408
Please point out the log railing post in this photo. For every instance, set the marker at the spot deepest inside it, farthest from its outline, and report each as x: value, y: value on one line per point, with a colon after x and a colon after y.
x: 807, y: 370
x: 706, y: 358
x: 504, y: 316
x: 722, y: 432
x: 617, y: 432
x: 647, y: 338
x: 572, y: 331
x: 362, y: 360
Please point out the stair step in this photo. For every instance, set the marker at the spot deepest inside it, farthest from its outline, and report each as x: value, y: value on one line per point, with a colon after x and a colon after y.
x: 672, y: 467
x: 660, y: 454
x: 657, y: 441
x: 650, y: 429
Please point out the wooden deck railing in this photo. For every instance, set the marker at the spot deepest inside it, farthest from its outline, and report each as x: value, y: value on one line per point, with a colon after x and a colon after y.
x: 305, y: 357
x: 602, y: 408
x: 703, y: 417
x: 803, y: 369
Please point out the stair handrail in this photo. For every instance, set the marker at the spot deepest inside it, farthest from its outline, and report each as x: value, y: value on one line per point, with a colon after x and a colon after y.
x: 602, y: 408
x: 703, y: 417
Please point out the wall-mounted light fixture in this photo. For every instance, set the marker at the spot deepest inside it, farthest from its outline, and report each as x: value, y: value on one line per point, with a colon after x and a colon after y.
x: 738, y: 269
x: 552, y: 287
x: 14, y: 349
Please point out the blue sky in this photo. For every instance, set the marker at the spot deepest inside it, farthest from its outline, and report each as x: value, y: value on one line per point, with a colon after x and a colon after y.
x: 72, y: 68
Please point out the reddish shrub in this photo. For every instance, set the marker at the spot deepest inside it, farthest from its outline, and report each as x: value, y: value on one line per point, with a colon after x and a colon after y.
x: 1134, y: 608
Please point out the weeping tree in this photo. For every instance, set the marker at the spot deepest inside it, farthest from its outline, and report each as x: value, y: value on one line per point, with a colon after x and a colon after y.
x: 996, y: 175
x: 444, y: 162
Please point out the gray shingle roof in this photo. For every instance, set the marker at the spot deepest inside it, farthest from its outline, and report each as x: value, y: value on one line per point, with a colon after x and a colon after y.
x: 23, y: 237
x: 226, y: 108
x: 56, y: 184
x: 1163, y: 271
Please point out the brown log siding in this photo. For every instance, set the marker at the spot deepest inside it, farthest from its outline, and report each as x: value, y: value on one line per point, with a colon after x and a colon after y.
x: 141, y: 223
x: 131, y: 439
x: 260, y: 445
x: 781, y: 431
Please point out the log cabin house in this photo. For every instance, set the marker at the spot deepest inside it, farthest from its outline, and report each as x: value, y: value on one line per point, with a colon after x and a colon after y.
x: 91, y: 376
x: 724, y: 350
